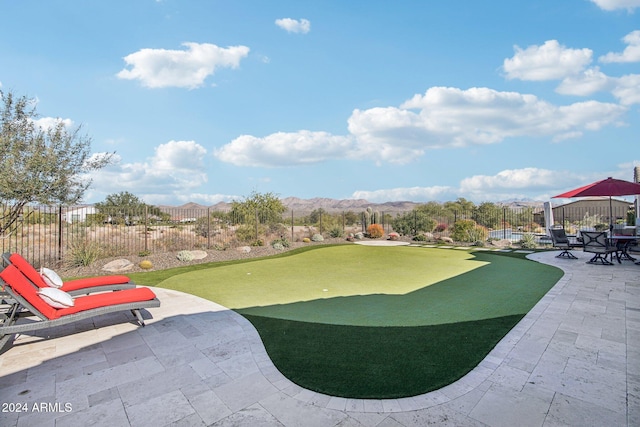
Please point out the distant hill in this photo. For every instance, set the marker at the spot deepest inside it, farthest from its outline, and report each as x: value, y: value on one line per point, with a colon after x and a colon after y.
x: 339, y: 205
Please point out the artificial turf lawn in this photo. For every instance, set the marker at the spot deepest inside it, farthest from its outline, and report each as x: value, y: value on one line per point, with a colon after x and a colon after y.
x: 393, y: 321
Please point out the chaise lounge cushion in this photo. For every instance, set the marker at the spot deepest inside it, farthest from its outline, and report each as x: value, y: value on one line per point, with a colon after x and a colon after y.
x: 21, y: 285
x: 69, y: 286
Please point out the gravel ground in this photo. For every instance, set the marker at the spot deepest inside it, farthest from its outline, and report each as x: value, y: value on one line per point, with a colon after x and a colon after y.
x: 167, y: 260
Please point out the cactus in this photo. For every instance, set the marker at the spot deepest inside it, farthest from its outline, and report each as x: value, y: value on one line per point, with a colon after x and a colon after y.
x: 371, y: 217
x: 145, y: 264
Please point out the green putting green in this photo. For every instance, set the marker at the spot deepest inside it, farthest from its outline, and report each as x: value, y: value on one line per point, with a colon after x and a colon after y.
x: 344, y: 319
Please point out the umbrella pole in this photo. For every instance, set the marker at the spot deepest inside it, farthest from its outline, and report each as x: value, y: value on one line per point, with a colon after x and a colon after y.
x: 610, y: 217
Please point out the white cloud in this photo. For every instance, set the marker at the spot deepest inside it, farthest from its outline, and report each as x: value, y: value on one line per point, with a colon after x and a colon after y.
x: 617, y: 4
x: 285, y: 149
x: 176, y: 168
x: 47, y: 123
x: 302, y: 26
x: 550, y: 61
x: 505, y: 185
x: 455, y: 117
x: 442, y: 117
x: 157, y: 68
x: 630, y: 54
x: 627, y: 89
x: 590, y: 81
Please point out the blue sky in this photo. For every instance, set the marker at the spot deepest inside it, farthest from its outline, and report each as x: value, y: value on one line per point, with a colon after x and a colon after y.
x: 206, y: 101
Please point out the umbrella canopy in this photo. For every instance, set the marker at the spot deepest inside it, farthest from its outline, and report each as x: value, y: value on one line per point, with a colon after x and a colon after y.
x: 606, y: 187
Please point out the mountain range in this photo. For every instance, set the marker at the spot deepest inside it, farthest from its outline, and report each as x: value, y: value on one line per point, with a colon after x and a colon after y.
x: 338, y: 205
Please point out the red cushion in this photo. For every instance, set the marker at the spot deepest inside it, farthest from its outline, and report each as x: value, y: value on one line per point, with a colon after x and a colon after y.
x: 88, y: 302
x: 28, y: 270
x: 23, y: 287
x: 72, y: 285
x: 88, y: 282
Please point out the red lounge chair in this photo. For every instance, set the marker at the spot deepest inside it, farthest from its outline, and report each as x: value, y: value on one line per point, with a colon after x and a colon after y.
x: 25, y: 302
x: 72, y: 287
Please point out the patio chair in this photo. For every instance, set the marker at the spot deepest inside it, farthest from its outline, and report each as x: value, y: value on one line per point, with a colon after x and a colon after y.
x: 561, y: 241
x: 72, y: 287
x: 29, y: 301
x: 597, y: 243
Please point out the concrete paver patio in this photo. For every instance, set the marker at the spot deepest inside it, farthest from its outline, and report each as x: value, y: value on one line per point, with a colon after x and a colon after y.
x: 573, y: 360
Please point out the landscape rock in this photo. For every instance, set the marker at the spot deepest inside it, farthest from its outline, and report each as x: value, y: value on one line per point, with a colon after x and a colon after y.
x: 244, y: 249
x: 199, y: 254
x: 502, y: 243
x: 118, y: 265
x: 445, y: 239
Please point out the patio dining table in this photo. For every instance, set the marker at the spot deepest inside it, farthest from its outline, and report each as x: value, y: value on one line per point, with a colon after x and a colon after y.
x: 623, y: 243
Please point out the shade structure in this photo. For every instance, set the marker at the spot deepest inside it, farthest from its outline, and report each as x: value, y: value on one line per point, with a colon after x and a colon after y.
x: 607, y: 187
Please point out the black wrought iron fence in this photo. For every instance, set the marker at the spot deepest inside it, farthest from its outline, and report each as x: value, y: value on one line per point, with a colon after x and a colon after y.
x: 49, y: 235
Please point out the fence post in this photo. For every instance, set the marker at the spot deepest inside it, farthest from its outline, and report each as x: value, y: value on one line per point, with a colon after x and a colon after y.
x: 208, y: 229
x: 320, y: 222
x: 504, y: 223
x: 292, y: 235
x: 257, y: 224
x: 60, y: 233
x: 146, y: 227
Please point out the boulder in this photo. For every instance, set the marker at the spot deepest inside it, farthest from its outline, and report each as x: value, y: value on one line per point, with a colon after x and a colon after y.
x: 118, y: 265
x: 445, y: 239
x: 244, y: 249
x: 502, y: 243
x: 199, y: 254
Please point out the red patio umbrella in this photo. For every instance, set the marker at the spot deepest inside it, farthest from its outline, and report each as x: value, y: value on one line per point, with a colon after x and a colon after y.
x: 607, y: 187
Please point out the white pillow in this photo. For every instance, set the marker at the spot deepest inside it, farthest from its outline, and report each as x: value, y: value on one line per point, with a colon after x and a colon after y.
x: 56, y: 298
x: 51, y: 278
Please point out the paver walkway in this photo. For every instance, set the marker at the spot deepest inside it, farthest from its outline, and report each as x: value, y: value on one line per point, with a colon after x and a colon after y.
x: 573, y: 360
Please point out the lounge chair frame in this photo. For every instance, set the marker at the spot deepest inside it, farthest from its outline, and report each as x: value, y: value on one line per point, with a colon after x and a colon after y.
x: 561, y: 241
x: 597, y: 243
x: 20, y: 307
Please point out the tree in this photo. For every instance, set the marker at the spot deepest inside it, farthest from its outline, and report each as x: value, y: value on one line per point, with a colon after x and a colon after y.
x: 268, y: 208
x: 38, y: 165
x: 124, y: 206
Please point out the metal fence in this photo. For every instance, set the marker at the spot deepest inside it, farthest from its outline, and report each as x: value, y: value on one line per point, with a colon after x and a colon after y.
x: 48, y: 235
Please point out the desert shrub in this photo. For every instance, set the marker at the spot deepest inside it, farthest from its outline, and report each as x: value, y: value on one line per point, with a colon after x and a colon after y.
x: 144, y: 253
x: 467, y: 230
x: 145, y: 264
x: 359, y: 235
x: 420, y: 238
x: 277, y: 246
x: 247, y: 233
x: 317, y: 237
x: 528, y: 241
x: 83, y: 253
x: 413, y: 223
x: 336, y: 232
x: 258, y: 242
x: 306, y: 240
x: 441, y: 227
x: 375, y: 231
x: 283, y: 242
x: 185, y: 256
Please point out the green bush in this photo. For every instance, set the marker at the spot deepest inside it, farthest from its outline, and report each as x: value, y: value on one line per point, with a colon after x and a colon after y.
x: 185, y: 256
x: 336, y: 232
x: 283, y: 242
x: 84, y: 253
x: 317, y: 237
x: 528, y: 241
x: 467, y: 230
x: 413, y: 223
